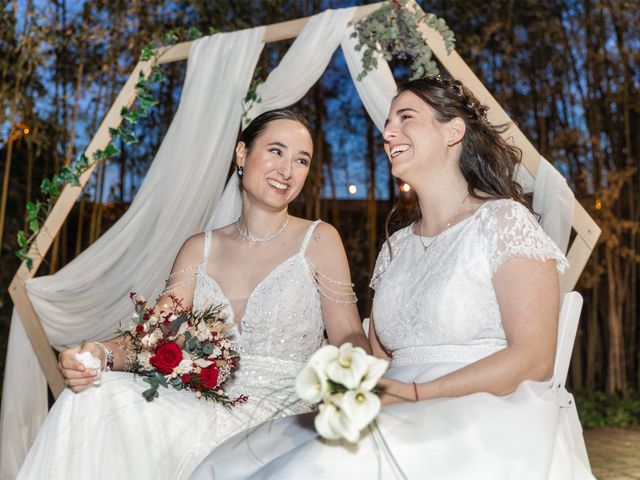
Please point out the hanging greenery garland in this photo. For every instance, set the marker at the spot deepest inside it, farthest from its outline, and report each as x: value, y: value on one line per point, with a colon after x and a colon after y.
x: 392, y: 31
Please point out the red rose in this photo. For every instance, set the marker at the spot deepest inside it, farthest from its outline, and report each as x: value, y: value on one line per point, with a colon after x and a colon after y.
x: 209, y: 376
x: 166, y: 358
x: 139, y: 328
x: 186, y: 378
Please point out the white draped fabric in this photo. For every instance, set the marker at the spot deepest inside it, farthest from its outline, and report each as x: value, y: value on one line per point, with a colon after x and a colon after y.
x: 304, y: 62
x: 553, y: 200
x: 89, y: 297
x: 299, y: 70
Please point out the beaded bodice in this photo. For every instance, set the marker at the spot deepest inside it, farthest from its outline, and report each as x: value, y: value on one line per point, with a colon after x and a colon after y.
x: 283, y: 317
x: 439, y: 304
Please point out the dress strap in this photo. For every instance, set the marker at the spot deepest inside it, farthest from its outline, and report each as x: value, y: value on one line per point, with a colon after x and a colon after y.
x: 207, y: 246
x: 307, y: 237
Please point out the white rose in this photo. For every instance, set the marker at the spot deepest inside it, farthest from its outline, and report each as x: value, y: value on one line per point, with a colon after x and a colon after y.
x: 349, y: 366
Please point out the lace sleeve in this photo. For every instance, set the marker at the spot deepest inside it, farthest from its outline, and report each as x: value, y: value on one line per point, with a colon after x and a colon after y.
x: 512, y: 231
x: 389, y: 248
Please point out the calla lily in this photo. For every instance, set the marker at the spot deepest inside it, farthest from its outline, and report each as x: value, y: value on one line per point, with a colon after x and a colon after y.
x: 323, y: 356
x: 375, y: 369
x: 311, y: 384
x: 332, y: 422
x: 349, y: 367
x: 361, y: 407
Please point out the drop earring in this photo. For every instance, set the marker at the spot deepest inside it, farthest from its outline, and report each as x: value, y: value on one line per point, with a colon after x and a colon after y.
x: 240, y: 171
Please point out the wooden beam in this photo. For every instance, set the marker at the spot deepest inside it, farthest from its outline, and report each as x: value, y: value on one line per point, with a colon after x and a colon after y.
x: 39, y: 341
x: 578, y: 257
x: 70, y: 194
x: 273, y: 33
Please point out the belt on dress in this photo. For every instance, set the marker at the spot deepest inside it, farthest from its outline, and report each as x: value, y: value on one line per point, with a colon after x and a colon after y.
x: 422, y: 354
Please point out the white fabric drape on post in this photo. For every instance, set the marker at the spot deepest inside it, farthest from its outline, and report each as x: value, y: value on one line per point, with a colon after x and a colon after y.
x: 89, y: 297
x: 554, y: 201
x: 305, y: 61
x: 377, y: 89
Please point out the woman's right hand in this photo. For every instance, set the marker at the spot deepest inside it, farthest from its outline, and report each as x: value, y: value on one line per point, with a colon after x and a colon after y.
x: 76, y: 375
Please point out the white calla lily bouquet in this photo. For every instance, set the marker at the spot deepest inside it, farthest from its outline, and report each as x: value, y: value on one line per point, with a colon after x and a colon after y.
x: 342, y: 380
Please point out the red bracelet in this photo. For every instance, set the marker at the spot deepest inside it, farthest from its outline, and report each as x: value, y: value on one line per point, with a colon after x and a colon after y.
x: 415, y: 390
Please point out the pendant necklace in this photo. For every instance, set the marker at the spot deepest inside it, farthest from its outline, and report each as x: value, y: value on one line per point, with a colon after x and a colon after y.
x: 426, y: 247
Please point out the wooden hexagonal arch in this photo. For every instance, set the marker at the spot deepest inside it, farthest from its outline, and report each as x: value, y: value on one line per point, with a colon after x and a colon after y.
x: 587, y: 231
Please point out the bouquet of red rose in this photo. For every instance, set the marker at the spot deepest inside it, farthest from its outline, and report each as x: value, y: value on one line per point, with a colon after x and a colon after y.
x: 182, y: 348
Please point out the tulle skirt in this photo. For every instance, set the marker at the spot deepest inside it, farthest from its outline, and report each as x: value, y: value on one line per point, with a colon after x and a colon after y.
x: 480, y: 436
x: 112, y: 432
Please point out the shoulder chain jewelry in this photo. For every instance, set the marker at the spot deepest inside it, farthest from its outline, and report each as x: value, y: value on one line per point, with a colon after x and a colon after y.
x: 250, y: 238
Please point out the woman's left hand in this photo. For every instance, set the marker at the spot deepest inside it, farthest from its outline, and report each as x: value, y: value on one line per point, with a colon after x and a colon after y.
x: 395, y: 391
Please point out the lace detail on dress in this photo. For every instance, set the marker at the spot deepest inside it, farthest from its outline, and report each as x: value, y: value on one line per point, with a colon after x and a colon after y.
x: 512, y: 231
x: 284, y: 306
x: 382, y: 262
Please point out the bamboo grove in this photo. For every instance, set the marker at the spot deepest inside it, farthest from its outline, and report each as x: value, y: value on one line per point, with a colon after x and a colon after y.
x: 567, y: 71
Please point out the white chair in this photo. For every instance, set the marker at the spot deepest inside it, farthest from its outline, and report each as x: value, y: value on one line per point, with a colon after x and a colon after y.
x: 567, y: 328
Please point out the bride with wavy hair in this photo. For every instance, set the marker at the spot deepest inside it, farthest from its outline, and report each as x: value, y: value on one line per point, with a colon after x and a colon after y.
x: 282, y: 280
x: 466, y: 308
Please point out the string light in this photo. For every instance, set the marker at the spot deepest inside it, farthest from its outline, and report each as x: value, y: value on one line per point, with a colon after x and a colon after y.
x: 598, y: 204
x: 352, y: 189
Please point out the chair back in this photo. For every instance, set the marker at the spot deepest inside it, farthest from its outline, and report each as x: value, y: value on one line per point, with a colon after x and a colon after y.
x: 567, y: 328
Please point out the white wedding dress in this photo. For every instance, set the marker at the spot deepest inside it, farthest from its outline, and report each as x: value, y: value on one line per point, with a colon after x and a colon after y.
x: 111, y: 432
x: 436, y: 311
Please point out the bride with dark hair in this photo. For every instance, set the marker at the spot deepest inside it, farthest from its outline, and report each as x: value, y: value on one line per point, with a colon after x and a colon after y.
x: 282, y: 280
x: 466, y: 309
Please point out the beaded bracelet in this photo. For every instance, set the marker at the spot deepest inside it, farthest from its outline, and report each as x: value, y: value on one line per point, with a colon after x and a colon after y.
x: 108, y: 357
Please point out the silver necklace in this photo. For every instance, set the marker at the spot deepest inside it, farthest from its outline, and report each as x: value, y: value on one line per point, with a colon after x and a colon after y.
x: 426, y: 247
x: 250, y: 238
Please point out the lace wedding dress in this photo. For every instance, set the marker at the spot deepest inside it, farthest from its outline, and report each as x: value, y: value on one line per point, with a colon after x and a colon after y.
x: 111, y: 432
x: 436, y: 311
